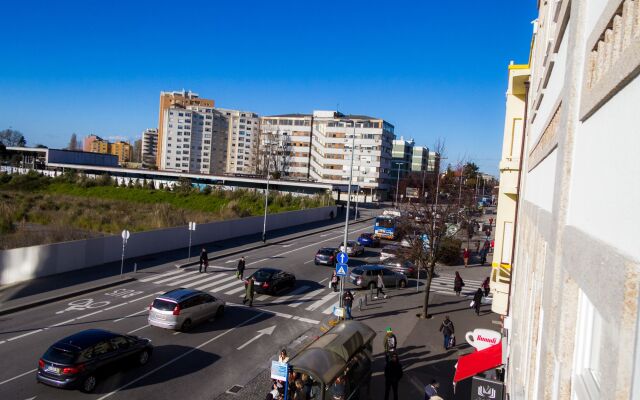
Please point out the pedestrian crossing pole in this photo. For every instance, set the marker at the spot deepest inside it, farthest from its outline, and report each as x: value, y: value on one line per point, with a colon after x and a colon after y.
x: 346, y: 220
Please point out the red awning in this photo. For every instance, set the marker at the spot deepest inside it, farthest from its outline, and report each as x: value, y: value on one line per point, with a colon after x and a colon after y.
x: 480, y: 361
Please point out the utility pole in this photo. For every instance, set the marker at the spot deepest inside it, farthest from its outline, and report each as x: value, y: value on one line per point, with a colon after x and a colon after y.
x: 397, y: 183
x: 346, y: 220
x: 266, y: 207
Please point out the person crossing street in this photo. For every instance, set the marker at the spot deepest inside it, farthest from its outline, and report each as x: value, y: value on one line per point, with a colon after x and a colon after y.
x: 204, y: 260
x: 249, y: 292
x: 477, y: 300
x: 241, y: 265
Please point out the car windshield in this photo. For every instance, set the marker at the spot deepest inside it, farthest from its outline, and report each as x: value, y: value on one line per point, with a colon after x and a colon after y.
x: 385, y: 222
x: 60, y: 356
x: 262, y: 275
x: 357, y: 271
x: 163, y: 305
x: 326, y: 252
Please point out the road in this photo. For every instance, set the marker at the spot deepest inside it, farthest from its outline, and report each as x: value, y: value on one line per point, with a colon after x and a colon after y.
x: 204, y: 362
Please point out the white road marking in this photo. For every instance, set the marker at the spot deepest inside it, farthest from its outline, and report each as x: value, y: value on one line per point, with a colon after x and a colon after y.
x: 259, y: 261
x: 131, y: 315
x: 236, y: 290
x: 19, y: 376
x: 90, y: 314
x: 152, y: 278
x: 307, y: 297
x: 183, y: 280
x: 176, y: 333
x: 277, y: 313
x: 116, y: 306
x: 323, y: 280
x: 263, y: 297
x: 228, y: 285
x: 215, y: 283
x: 288, y: 245
x: 63, y: 322
x: 211, y: 278
x: 138, y: 329
x: 173, y: 277
x: 321, y: 301
x: 173, y: 360
x: 310, y: 261
x: 24, y: 334
x: 297, y: 291
x: 261, y: 332
x: 230, y: 261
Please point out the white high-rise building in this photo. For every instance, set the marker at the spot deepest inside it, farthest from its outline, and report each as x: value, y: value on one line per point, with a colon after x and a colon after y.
x: 149, y: 147
x: 243, y: 130
x: 195, y: 140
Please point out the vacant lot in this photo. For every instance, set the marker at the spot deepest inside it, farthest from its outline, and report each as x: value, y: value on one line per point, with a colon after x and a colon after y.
x: 37, y: 210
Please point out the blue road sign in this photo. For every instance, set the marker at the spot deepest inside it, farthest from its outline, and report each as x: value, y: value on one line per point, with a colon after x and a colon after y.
x: 343, y: 258
x: 342, y: 269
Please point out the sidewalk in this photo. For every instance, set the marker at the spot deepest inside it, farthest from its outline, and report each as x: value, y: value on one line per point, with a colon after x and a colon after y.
x: 47, y: 289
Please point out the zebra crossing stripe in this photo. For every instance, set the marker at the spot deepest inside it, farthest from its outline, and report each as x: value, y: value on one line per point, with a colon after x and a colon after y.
x: 320, y: 302
x: 210, y: 278
x: 152, y: 278
x: 261, y: 298
x: 307, y: 297
x: 208, y: 285
x: 173, y: 277
x: 223, y: 287
x: 187, y: 279
x: 236, y: 290
x: 329, y: 309
x: 299, y: 290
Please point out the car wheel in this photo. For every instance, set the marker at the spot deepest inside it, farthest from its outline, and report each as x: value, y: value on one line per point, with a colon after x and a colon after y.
x: 143, y: 358
x: 186, y: 325
x: 89, y: 383
x: 220, y: 312
x: 315, y: 262
x: 403, y: 283
x: 372, y: 285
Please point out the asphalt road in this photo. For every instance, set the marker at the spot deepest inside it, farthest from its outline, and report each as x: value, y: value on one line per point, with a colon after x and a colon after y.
x: 202, y: 363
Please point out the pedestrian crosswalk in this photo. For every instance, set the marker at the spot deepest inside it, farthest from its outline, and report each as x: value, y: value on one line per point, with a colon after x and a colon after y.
x: 443, y: 284
x: 224, y: 281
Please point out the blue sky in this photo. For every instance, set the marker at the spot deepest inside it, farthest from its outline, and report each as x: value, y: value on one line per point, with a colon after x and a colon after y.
x: 431, y: 68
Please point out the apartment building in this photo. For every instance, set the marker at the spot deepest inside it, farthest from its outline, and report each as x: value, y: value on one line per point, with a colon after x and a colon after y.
x: 420, y: 159
x: 434, y: 162
x: 88, y: 140
x: 149, y: 147
x: 286, y: 145
x: 99, y: 145
x: 571, y: 323
x: 121, y: 149
x: 243, y: 130
x: 401, y: 157
x: 175, y: 99
x: 195, y: 140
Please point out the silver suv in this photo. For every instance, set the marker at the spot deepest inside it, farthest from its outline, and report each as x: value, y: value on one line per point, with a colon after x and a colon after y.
x: 366, y: 276
x: 181, y: 308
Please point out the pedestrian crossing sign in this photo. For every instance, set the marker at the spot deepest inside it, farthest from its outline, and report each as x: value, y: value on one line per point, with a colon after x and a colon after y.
x: 342, y: 269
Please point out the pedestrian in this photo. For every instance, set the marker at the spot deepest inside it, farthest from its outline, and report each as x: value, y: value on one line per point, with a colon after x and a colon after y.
x: 204, y: 260
x: 490, y: 221
x: 431, y: 390
x: 347, y: 300
x: 486, y: 287
x: 465, y: 257
x: 477, y: 247
x: 448, y: 331
x: 249, y: 291
x: 275, y: 392
x: 485, y: 250
x: 458, y: 283
x: 299, y: 391
x: 283, y: 357
x: 477, y: 300
x: 390, y: 343
x: 339, y: 389
x: 335, y: 281
x: 392, y: 375
x: 241, y: 265
x: 380, y: 286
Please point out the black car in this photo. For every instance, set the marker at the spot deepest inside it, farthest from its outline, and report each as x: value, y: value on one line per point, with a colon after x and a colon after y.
x: 79, y: 360
x: 326, y: 256
x: 272, y: 280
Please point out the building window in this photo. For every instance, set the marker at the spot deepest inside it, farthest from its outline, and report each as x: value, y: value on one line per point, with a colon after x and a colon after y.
x: 588, y: 345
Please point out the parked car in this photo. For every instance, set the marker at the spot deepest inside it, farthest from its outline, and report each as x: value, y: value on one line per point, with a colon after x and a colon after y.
x: 389, y: 251
x: 368, y: 240
x: 182, y: 308
x: 366, y: 276
x: 326, y: 256
x: 353, y: 248
x: 272, y: 280
x: 406, y: 267
x: 80, y: 360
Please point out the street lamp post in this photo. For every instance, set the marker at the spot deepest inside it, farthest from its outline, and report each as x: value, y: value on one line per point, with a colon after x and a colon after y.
x: 266, y: 206
x: 346, y: 220
x: 397, y: 183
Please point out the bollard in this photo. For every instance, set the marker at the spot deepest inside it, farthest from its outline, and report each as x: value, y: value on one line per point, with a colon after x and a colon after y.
x: 135, y: 267
x: 360, y: 302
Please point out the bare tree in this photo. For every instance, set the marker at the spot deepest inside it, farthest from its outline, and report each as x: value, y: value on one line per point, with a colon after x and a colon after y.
x: 274, y: 154
x: 73, y: 142
x: 11, y: 137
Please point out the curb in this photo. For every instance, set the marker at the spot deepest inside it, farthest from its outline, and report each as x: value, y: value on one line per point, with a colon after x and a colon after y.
x: 52, y: 299
x: 260, y: 246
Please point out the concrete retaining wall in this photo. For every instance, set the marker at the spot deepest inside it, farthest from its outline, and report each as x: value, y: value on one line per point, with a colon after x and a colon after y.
x: 26, y: 263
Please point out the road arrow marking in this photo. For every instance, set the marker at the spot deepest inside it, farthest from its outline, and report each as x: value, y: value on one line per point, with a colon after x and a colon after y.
x: 261, y: 332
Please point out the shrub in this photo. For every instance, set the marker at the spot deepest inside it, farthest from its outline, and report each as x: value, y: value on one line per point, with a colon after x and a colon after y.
x: 450, y: 251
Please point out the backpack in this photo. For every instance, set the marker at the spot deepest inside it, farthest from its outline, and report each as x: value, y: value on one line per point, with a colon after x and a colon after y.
x: 391, y: 342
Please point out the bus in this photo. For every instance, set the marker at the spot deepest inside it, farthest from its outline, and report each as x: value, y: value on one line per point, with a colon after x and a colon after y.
x: 385, y: 226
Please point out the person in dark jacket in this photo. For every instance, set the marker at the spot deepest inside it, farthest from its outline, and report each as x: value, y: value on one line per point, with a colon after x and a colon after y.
x: 241, y: 265
x: 458, y: 283
x: 477, y: 300
x: 486, y: 286
x: 204, y: 260
x: 447, y: 330
x: 392, y: 375
x: 347, y: 300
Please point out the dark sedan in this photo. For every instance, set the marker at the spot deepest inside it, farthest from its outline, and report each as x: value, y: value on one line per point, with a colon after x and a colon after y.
x: 326, y: 256
x: 79, y: 360
x: 368, y: 240
x: 272, y: 280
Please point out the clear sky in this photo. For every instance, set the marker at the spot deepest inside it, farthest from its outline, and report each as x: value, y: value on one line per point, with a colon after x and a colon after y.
x: 431, y: 68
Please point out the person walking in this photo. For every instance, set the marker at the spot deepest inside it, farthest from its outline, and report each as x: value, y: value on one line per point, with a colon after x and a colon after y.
x: 392, y: 376
x: 431, y: 390
x: 458, y: 283
x: 283, y: 357
x: 477, y: 300
x: 347, y: 300
x: 485, y: 250
x: 249, y: 291
x: 380, y: 286
x: 465, y: 257
x: 204, y: 260
x: 486, y: 287
x: 390, y: 343
x: 334, y: 282
x: 241, y: 265
x: 448, y: 330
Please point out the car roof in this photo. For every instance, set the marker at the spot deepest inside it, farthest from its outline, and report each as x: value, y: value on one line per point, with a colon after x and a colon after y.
x: 82, y: 340
x: 268, y: 270
x: 371, y: 267
x: 179, y: 294
x: 327, y: 249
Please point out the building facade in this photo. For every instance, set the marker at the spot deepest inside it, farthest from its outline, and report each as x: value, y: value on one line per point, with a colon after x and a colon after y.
x: 99, y: 146
x: 434, y: 162
x: 149, y: 147
x: 175, y: 99
x: 121, y: 149
x: 195, y: 140
x: 88, y: 140
x: 286, y: 145
x: 420, y: 159
x: 572, y: 320
x: 243, y: 130
x: 402, y: 157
